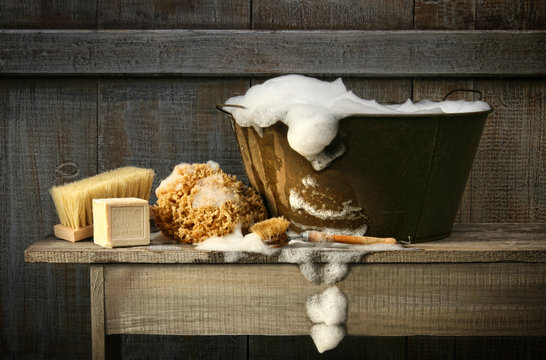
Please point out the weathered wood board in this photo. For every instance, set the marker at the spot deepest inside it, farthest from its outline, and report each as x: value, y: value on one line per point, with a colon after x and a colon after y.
x: 239, y: 52
x: 324, y: 14
x: 161, y: 122
x: 173, y: 14
x: 469, y: 244
x: 511, y: 159
x: 47, y: 137
x: 383, y: 299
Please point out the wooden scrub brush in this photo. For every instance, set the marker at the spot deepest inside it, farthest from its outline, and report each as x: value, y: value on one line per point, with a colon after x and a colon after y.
x: 272, y: 231
x: 73, y: 201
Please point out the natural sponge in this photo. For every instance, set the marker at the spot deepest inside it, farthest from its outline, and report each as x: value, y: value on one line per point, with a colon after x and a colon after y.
x: 198, y: 201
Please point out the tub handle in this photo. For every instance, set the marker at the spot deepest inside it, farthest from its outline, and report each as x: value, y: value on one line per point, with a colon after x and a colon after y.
x: 222, y: 106
x: 480, y: 95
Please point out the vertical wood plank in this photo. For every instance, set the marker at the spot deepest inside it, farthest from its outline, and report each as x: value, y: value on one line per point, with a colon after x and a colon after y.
x: 382, y: 90
x: 173, y: 14
x: 332, y: 15
x: 536, y: 347
x: 161, y: 122
x: 444, y: 15
x: 39, y: 14
x: 430, y: 347
x: 303, y: 348
x: 497, y: 347
x: 166, y: 347
x: 47, y: 137
x: 103, y: 346
x: 510, y: 15
x: 98, y: 330
x: 509, y: 176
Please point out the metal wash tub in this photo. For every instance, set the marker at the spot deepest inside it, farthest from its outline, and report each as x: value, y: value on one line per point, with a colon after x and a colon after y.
x: 401, y: 175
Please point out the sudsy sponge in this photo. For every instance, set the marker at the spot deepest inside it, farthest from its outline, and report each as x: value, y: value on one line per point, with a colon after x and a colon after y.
x: 198, y: 201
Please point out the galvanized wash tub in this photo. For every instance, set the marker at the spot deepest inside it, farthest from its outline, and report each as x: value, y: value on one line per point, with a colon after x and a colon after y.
x: 400, y: 176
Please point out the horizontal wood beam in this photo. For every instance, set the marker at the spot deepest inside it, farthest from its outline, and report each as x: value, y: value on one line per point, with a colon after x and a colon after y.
x: 479, y: 243
x: 383, y: 299
x: 263, y: 53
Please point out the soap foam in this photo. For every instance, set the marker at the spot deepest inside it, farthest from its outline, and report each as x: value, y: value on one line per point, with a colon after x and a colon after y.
x: 327, y: 337
x: 297, y: 202
x: 309, y: 182
x: 329, y: 307
x: 318, y: 262
x: 328, y: 312
x: 360, y: 231
x: 312, y: 109
x: 235, y: 242
x: 211, y: 191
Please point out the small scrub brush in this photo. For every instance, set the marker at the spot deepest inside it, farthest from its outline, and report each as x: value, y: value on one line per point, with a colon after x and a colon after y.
x: 272, y: 231
x: 320, y: 237
x: 74, y: 201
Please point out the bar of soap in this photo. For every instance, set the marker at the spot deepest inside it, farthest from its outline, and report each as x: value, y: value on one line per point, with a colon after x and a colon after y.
x: 121, y: 222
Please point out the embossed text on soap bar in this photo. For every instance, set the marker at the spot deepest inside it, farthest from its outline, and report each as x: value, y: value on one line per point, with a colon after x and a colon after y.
x: 127, y: 222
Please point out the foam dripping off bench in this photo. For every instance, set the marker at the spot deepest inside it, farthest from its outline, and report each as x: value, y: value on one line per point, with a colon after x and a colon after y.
x: 481, y: 281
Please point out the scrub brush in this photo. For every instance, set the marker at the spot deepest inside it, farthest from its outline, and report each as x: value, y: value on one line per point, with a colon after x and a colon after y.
x: 74, y: 201
x: 320, y: 237
x: 272, y: 231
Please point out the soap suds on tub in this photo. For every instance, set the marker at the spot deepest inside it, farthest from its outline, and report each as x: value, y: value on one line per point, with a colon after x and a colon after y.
x: 309, y: 182
x: 360, y: 231
x: 312, y: 108
x: 297, y: 202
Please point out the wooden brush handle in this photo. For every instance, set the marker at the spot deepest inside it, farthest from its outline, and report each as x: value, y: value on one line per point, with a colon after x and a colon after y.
x: 73, y: 235
x: 316, y: 236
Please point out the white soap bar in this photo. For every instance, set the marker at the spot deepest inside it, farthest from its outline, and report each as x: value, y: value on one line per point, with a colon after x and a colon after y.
x: 121, y: 222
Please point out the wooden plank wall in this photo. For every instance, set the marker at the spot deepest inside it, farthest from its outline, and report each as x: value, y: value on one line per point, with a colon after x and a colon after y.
x: 56, y: 129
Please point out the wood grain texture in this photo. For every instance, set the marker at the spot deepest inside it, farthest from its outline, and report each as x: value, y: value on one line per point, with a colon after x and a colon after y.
x: 499, y: 347
x: 55, y: 14
x: 337, y: 15
x: 506, y: 14
x: 480, y: 14
x: 176, y: 347
x: 98, y: 329
x: 383, y: 90
x: 47, y: 137
x: 508, y: 177
x: 33, y: 326
x: 161, y: 122
x: 444, y: 15
x: 206, y: 300
x: 384, y: 300
x: 242, y: 53
x: 509, y: 183
x: 468, y: 243
x: 446, y: 299
x: 173, y: 14
x: 303, y: 348
x: 430, y: 347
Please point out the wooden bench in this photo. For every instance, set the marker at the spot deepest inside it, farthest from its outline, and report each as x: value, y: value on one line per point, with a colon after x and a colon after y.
x: 486, y: 279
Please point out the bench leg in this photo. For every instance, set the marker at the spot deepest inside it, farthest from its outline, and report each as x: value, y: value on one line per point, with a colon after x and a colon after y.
x: 103, y: 346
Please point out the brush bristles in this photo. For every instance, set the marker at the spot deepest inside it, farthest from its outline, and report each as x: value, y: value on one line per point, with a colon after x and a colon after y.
x: 73, y: 201
x: 271, y: 229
